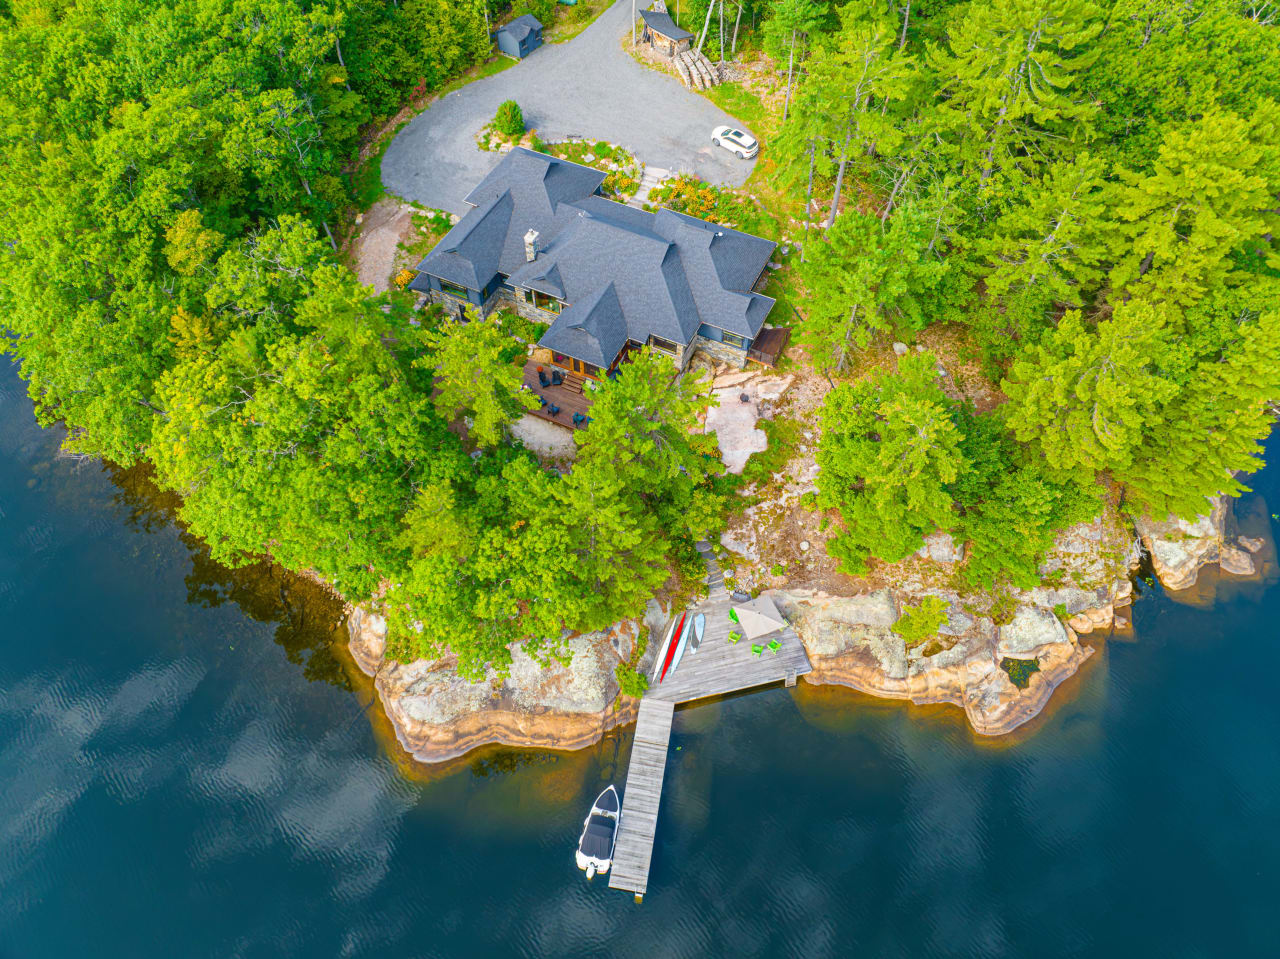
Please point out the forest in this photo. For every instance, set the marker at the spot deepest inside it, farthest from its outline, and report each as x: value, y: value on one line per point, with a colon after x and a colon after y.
x: 1087, y: 194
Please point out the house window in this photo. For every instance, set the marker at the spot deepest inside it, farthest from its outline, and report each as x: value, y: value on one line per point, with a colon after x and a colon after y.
x: 543, y: 302
x: 664, y: 346
x: 454, y: 290
x: 732, y: 339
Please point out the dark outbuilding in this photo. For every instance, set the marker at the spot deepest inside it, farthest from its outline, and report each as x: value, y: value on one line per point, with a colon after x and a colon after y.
x: 520, y: 37
x: 661, y: 33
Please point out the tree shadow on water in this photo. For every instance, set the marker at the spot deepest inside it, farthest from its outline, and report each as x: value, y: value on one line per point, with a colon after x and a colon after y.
x: 308, y: 618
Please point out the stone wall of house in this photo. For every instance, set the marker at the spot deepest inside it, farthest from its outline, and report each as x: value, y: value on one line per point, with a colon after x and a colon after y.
x: 452, y: 303
x: 734, y: 356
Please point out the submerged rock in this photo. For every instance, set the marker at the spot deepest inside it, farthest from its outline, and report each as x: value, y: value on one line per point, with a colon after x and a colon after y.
x: 1236, y: 561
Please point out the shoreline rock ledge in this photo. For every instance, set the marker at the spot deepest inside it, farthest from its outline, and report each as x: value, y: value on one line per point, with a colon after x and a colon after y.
x: 851, y: 643
x: 437, y: 715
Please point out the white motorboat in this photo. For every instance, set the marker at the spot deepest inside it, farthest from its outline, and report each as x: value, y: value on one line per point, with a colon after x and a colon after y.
x: 599, y: 833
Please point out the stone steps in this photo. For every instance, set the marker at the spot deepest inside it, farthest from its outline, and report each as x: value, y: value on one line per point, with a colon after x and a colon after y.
x: 653, y: 177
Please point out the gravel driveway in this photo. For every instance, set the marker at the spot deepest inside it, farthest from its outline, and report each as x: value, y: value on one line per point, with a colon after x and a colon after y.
x: 588, y: 87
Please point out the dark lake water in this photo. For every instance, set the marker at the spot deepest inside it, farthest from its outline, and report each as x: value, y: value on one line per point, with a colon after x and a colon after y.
x: 187, y: 769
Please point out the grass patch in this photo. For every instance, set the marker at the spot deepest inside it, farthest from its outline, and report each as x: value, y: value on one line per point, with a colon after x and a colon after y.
x: 429, y: 226
x: 486, y: 69
x: 1020, y: 670
x: 571, y: 21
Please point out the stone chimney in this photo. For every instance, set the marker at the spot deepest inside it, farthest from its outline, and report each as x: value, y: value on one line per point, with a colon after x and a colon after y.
x: 530, y: 250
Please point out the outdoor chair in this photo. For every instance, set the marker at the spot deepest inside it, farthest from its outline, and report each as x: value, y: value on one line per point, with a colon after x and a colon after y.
x: 774, y: 646
x: 733, y: 615
x: 553, y: 410
x: 542, y: 378
x: 734, y: 635
x: 556, y: 377
x: 542, y: 400
x: 756, y: 649
x: 577, y: 419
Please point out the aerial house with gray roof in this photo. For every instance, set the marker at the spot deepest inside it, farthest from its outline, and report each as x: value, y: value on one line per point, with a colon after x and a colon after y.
x: 603, y: 278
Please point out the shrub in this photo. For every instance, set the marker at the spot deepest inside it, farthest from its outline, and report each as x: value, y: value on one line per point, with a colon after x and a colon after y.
x: 1020, y: 670
x: 917, y: 624
x: 631, y: 682
x: 509, y: 121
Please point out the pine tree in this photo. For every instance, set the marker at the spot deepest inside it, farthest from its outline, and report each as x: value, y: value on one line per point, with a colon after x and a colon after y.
x: 867, y: 277
x: 889, y: 449
x: 1086, y: 396
x: 1008, y: 73
x: 1210, y: 196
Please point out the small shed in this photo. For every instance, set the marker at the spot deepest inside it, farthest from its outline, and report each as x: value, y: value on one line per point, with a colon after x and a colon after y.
x: 520, y: 37
x: 662, y: 34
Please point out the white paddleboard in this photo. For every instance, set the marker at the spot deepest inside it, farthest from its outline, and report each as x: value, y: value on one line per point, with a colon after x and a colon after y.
x: 699, y: 627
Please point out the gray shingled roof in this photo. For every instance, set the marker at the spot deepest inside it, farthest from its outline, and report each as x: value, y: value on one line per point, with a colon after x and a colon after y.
x: 521, y: 26
x: 593, y: 329
x: 664, y: 25
x: 667, y: 273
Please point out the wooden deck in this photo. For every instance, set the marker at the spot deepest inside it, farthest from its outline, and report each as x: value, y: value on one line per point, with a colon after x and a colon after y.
x: 718, y: 667
x: 571, y: 396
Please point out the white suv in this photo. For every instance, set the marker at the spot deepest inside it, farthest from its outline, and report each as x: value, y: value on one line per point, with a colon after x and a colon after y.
x: 742, y: 145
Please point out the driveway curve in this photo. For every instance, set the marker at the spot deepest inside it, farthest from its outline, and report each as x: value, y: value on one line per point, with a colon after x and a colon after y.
x: 589, y: 87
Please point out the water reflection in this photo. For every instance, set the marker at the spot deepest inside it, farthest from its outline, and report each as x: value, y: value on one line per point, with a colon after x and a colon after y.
x: 309, y: 620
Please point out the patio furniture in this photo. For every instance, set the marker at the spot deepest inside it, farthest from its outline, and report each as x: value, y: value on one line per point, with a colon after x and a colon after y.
x: 542, y: 378
x: 756, y: 649
x: 774, y: 646
x: 733, y: 615
x: 553, y: 410
x: 734, y: 635
x: 577, y: 419
x: 556, y: 377
x: 542, y: 400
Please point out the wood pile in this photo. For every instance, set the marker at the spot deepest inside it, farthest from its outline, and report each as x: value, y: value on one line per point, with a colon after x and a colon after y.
x: 696, y: 70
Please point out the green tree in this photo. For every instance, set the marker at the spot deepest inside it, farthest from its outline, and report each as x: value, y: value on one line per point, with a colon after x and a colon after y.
x: 475, y: 376
x: 1085, y: 396
x: 1210, y: 196
x: 866, y: 277
x: 1007, y: 73
x: 888, y: 451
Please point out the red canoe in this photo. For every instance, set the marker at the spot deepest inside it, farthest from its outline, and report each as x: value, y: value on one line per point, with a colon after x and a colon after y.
x: 675, y: 641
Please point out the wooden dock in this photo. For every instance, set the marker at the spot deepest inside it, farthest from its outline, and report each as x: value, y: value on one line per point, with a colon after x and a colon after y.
x: 717, y: 668
x: 630, y: 869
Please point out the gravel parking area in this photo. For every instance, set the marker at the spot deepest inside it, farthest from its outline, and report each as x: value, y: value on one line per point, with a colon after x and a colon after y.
x: 589, y: 87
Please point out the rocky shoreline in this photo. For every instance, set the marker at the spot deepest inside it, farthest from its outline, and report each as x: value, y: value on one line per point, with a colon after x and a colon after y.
x: 438, y: 716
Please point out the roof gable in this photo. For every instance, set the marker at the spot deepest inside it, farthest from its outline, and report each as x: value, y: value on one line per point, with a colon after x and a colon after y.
x: 521, y: 26
x: 663, y: 24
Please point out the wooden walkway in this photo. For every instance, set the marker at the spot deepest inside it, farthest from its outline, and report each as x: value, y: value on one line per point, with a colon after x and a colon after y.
x: 717, y: 668
x: 630, y: 869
